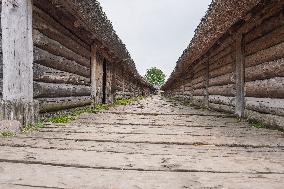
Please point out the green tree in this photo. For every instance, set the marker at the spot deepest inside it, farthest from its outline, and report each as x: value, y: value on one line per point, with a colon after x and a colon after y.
x: 155, y: 76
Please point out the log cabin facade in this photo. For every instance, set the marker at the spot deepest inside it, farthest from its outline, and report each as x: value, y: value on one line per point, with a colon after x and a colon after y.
x: 59, y: 55
x: 235, y: 62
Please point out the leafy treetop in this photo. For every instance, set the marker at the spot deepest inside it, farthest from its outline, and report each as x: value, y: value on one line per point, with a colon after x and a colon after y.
x: 155, y: 76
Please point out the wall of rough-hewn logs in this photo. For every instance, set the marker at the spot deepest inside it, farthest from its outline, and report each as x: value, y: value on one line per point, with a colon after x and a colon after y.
x: 62, y: 69
x: 258, y: 43
x: 61, y: 65
x: 1, y: 55
x: 264, y: 64
x: 76, y: 59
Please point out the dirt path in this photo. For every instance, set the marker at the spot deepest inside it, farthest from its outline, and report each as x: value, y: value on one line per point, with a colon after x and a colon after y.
x: 154, y: 143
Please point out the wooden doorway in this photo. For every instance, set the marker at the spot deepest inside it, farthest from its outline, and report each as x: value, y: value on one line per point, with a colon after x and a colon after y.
x: 104, y: 99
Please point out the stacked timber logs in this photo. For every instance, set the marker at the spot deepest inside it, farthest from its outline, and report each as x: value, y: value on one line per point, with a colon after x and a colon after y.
x: 241, y: 71
x: 61, y: 65
x: 264, y: 63
x: 1, y: 56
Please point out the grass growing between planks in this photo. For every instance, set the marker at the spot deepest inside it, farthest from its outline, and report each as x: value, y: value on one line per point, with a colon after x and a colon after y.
x: 33, y: 127
x: 257, y: 124
x: 68, y: 117
x: 7, y: 134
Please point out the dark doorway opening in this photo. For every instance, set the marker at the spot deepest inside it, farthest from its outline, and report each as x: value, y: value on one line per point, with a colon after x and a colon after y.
x: 104, y: 82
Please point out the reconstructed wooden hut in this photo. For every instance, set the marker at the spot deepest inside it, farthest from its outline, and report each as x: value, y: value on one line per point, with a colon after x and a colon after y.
x: 60, y: 54
x: 235, y: 62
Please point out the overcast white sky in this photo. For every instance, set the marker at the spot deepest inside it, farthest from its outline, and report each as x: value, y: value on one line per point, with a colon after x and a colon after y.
x: 155, y: 32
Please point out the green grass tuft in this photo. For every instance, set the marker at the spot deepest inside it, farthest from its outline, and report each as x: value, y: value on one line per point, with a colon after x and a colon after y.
x: 68, y: 117
x: 7, y: 134
x: 33, y: 127
x: 257, y: 124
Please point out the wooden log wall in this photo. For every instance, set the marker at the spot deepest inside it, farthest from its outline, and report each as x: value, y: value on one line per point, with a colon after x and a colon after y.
x: 61, y: 65
x: 264, y: 63
x: 109, y: 81
x: 221, y: 81
x: 1, y: 56
x: 256, y: 44
x: 118, y: 84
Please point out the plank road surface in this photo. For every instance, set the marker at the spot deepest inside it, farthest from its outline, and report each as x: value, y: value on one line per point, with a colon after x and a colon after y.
x: 153, y: 143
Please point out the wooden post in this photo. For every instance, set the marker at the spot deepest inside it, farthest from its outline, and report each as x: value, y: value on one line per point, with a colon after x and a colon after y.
x: 93, y: 74
x: 17, y: 45
x: 123, y: 83
x: 240, y: 77
x: 206, y: 98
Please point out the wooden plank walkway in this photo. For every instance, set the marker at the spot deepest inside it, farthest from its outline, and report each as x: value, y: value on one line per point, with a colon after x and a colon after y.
x: 154, y: 143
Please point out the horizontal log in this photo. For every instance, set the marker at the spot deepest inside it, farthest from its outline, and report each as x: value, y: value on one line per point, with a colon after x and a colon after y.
x: 225, y: 90
x: 198, y: 100
x: 266, y: 105
x: 222, y: 71
x: 60, y: 63
x: 188, y: 92
x: 50, y: 90
x: 222, y: 108
x: 56, y: 48
x: 224, y: 53
x: 263, y: 14
x: 54, y: 30
x: 222, y: 80
x: 271, y: 39
x: 228, y: 59
x: 199, y: 66
x: 265, y: 71
x: 271, y: 120
x: 56, y: 104
x: 199, y: 92
x: 223, y: 45
x: 224, y: 100
x: 50, y: 75
x: 188, y: 88
x: 268, y: 25
x: 273, y: 53
x: 270, y: 88
x: 200, y: 74
x: 201, y: 85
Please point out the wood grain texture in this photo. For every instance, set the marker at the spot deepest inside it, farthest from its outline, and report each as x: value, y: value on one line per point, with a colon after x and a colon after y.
x: 50, y: 75
x: 51, y: 90
x: 60, y: 63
